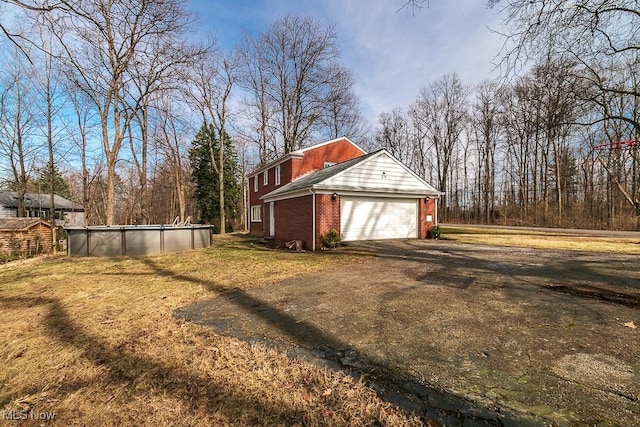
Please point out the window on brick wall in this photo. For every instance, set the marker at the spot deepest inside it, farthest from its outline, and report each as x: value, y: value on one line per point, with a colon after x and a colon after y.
x: 277, y: 178
x: 265, y: 178
x: 255, y: 184
x: 256, y: 213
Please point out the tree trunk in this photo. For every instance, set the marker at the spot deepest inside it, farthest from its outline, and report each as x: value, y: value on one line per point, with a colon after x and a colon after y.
x: 110, y: 199
x: 223, y: 220
x: 558, y: 176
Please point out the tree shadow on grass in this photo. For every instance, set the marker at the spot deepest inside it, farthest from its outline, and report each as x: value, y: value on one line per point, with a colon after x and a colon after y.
x: 124, y: 368
x: 392, y: 384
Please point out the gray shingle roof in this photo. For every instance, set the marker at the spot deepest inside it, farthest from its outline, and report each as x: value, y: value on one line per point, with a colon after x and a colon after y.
x: 315, y: 177
x: 9, y: 199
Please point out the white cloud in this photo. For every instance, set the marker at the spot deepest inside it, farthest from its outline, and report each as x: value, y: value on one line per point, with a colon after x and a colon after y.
x: 393, y: 54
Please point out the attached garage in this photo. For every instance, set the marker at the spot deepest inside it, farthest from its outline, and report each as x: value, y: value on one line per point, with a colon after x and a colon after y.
x: 371, y: 197
x: 373, y: 218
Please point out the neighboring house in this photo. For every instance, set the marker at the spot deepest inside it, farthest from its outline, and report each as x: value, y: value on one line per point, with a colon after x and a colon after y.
x: 24, y: 236
x: 36, y: 205
x: 335, y: 185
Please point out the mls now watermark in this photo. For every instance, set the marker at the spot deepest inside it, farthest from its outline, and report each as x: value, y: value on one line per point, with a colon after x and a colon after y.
x: 28, y: 415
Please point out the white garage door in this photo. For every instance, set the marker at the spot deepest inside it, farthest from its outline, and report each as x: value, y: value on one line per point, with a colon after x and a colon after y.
x: 370, y: 218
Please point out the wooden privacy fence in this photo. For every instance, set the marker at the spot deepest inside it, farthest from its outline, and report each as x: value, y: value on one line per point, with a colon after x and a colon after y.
x: 136, y: 240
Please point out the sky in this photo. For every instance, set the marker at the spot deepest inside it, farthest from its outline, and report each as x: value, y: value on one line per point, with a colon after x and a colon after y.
x: 392, y: 53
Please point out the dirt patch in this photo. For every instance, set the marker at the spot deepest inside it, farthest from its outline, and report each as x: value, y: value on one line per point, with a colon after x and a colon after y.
x: 464, y: 333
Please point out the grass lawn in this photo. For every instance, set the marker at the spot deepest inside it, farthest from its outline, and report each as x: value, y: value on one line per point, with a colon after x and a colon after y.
x: 93, y: 341
x: 540, y: 240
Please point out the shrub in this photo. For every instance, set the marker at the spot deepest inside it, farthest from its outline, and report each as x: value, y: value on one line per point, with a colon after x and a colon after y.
x: 331, y: 239
x: 434, y: 233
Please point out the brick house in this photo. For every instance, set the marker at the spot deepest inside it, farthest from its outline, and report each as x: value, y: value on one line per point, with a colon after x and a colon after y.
x: 24, y: 236
x: 336, y: 185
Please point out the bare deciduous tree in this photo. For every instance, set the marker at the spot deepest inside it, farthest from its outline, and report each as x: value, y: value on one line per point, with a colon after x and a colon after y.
x: 80, y: 135
x: 294, y: 81
x: 486, y: 129
x: 17, y: 37
x: 444, y: 107
x: 393, y: 134
x: 18, y: 126
x: 169, y: 136
x: 102, y: 40
x: 596, y: 34
x: 342, y: 116
x: 155, y: 72
x: 211, y: 82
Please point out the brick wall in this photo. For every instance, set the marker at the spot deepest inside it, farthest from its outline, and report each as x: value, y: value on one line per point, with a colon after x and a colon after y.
x: 426, y: 208
x: 328, y: 216
x: 290, y: 169
x: 297, y: 222
x: 262, y: 227
x: 294, y: 220
x: 256, y: 228
x: 336, y: 152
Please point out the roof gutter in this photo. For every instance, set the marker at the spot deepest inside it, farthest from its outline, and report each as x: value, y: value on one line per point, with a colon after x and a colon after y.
x: 292, y: 155
x: 321, y: 189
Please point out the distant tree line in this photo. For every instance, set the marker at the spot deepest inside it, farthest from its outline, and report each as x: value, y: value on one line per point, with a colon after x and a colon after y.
x: 556, y: 144
x: 111, y: 100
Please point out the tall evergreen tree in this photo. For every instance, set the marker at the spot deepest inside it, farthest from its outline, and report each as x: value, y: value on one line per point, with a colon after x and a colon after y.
x: 207, y: 194
x: 43, y: 183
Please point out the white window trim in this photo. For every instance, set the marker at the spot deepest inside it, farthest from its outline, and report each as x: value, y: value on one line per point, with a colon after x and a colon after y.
x: 256, y: 213
x: 265, y: 178
x: 277, y: 179
x: 255, y: 184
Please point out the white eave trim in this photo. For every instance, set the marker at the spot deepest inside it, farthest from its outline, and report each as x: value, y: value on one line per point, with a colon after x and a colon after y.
x: 352, y: 192
x: 288, y: 195
x: 377, y: 192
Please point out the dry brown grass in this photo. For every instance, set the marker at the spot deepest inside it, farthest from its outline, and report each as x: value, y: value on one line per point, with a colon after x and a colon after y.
x: 541, y: 240
x: 94, y: 342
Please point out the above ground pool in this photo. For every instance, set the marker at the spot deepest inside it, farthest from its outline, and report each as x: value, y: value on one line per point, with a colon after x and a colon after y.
x: 136, y: 240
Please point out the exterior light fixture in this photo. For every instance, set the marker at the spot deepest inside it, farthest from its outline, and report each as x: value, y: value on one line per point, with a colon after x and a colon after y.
x: 334, y: 196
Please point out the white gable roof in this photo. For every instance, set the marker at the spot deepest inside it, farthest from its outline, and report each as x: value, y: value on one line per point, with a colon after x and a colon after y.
x: 377, y: 172
x: 380, y: 172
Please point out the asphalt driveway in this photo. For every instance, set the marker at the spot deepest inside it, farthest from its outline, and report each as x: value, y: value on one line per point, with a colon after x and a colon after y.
x: 472, y: 335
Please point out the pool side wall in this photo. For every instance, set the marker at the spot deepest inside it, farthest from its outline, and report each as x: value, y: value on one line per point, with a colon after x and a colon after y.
x: 136, y: 240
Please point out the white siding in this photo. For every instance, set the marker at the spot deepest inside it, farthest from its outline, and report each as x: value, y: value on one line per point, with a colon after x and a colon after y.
x: 380, y: 173
x: 7, y: 213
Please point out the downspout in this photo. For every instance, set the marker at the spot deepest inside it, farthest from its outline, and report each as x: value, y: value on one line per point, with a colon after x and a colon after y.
x: 313, y: 221
x: 435, y: 210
